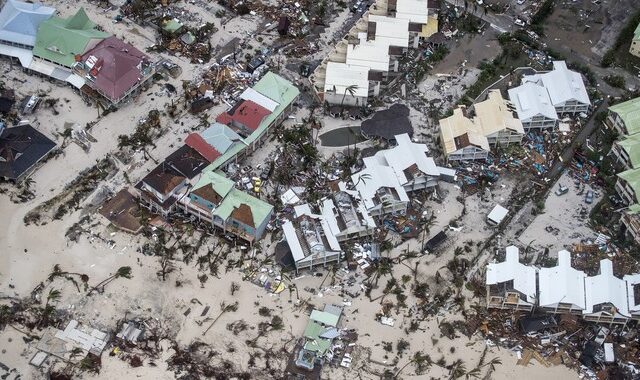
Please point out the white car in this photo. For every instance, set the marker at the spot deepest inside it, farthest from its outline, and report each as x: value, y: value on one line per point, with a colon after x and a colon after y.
x: 520, y: 2
x: 480, y: 2
x: 519, y: 22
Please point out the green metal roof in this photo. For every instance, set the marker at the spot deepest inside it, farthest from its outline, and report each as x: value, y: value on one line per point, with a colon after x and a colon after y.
x: 314, y: 343
x: 631, y: 145
x: 636, y: 34
x: 259, y: 209
x: 632, y: 177
x: 325, y: 318
x: 171, y: 25
x: 634, y: 209
x: 275, y: 88
x: 629, y: 112
x: 219, y: 183
x: 59, y: 39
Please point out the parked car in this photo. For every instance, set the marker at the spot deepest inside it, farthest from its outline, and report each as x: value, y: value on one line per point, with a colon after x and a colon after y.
x: 519, y: 22
x: 562, y: 190
x: 480, y: 2
x: 520, y: 2
x: 588, y: 198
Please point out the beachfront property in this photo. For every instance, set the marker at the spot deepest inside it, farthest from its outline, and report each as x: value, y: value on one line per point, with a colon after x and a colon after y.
x: 627, y: 152
x: 496, y: 119
x: 633, y: 294
x: 346, y: 216
x: 215, y: 141
x: 533, y: 106
x: 634, y: 48
x: 606, y: 297
x: 158, y: 190
x: 272, y: 93
x: 561, y: 288
x: 310, y: 239
x: 214, y: 198
x: 462, y: 139
x: 371, y: 50
x: 21, y: 148
x: 625, y: 117
x: 114, y: 71
x: 565, y: 87
x: 60, y: 40
x: 19, y: 22
x: 319, y: 334
x: 511, y: 284
x: 628, y: 186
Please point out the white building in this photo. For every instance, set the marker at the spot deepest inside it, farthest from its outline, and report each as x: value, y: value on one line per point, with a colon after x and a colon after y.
x: 389, y: 30
x: 373, y: 55
x: 533, y: 106
x: 380, y: 190
x: 511, y: 284
x: 606, y: 297
x: 413, y: 168
x: 495, y: 117
x: 310, y: 240
x: 347, y: 84
x: 565, y: 87
x: 461, y: 139
x: 633, y: 294
x: 346, y: 216
x: 561, y: 288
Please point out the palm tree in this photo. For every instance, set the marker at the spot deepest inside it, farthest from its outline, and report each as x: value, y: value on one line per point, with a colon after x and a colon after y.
x: 124, y: 272
x: 349, y: 89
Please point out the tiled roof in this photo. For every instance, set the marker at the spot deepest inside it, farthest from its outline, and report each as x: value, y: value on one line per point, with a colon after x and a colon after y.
x: 246, y: 113
x: 19, y: 21
x: 195, y: 141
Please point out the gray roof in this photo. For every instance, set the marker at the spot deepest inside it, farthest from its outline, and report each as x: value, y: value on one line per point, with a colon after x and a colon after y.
x: 19, y: 21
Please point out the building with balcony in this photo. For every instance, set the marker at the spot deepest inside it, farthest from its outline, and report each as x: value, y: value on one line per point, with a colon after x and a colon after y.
x: 348, y: 85
x: 114, y: 71
x: 311, y: 241
x: 606, y: 297
x: 626, y: 150
x: 533, y: 106
x: 19, y: 22
x: 633, y: 294
x: 462, y: 139
x: 565, y: 87
x: 561, y: 288
x: 511, y: 284
x: 346, y: 216
x: 628, y: 186
x: 495, y: 117
x: 625, y: 117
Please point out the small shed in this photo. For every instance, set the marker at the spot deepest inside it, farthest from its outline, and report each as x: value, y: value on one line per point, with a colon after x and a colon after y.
x: 497, y: 215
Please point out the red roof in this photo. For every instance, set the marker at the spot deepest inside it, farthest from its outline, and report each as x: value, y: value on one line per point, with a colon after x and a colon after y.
x: 195, y: 141
x: 117, y: 67
x: 246, y: 113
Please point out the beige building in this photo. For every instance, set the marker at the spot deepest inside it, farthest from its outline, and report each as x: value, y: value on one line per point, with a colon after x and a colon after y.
x: 635, y: 43
x: 462, y: 139
x: 495, y: 117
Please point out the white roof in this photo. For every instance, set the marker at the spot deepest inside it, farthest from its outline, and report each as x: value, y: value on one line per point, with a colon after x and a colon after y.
x: 373, y: 55
x: 305, y: 209
x: 412, y: 10
x: 373, y: 178
x: 76, y: 81
x: 523, y: 276
x: 25, y: 56
x: 562, y: 84
x: 289, y: 197
x: 292, y: 239
x: 392, y: 31
x: 562, y: 283
x: 606, y: 288
x: 340, y: 76
x: 404, y: 155
x: 532, y: 100
x: 258, y: 98
x: 632, y: 280
x: 498, y: 214
x: 328, y: 213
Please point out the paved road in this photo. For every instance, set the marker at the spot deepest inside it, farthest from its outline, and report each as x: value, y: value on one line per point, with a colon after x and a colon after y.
x: 502, y: 22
